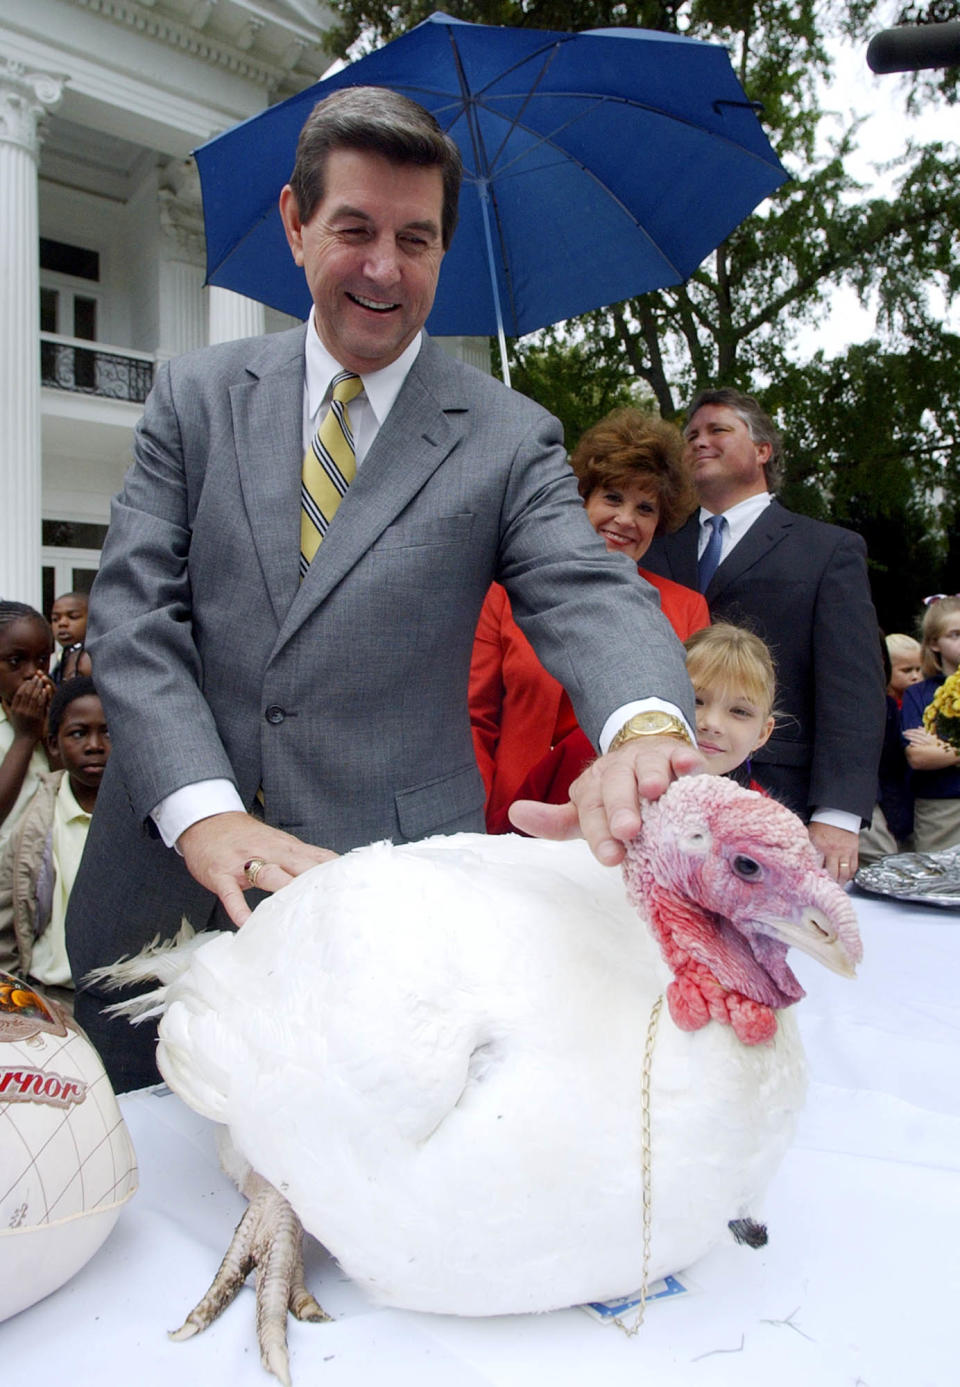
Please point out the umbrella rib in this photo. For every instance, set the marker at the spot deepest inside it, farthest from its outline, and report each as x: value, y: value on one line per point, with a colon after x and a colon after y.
x: 491, y: 189
x: 238, y: 245
x: 478, y: 153
x: 599, y: 98
x: 527, y: 98
x: 565, y: 157
x: 462, y: 106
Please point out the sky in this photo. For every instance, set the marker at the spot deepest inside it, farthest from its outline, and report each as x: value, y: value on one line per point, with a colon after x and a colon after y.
x: 856, y: 91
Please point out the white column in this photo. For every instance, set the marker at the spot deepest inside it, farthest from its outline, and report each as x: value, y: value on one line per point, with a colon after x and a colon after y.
x: 233, y: 316
x: 24, y: 97
x: 182, y: 325
x: 475, y: 351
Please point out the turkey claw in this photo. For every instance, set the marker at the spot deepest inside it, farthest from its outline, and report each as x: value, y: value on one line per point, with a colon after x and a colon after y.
x: 269, y: 1238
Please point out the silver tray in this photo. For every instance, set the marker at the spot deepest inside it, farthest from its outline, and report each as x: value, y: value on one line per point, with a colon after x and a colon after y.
x: 930, y: 878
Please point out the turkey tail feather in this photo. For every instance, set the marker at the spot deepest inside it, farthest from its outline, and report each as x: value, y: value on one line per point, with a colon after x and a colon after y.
x: 161, y: 961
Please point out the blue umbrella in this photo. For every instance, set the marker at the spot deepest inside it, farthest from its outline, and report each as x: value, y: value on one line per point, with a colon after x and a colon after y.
x: 597, y: 166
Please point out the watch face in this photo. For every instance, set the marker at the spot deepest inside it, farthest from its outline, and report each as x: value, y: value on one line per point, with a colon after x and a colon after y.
x: 654, y: 721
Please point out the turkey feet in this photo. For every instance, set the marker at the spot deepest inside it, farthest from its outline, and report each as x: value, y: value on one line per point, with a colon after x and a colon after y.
x: 269, y: 1238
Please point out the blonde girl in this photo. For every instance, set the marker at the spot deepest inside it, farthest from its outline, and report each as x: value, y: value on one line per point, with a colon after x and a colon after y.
x: 734, y: 682
x: 905, y: 669
x: 935, y: 766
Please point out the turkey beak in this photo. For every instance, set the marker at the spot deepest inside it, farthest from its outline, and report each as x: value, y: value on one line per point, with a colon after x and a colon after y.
x: 817, y: 935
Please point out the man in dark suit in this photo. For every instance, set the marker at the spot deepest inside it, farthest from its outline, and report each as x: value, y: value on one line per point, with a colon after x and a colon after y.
x: 267, y: 706
x: 802, y: 586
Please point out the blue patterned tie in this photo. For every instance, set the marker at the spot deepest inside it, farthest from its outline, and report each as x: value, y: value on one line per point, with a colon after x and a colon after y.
x: 710, y: 558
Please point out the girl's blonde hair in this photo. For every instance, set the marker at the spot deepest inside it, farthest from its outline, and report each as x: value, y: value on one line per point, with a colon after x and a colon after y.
x: 938, y: 617
x: 728, y: 657
x: 902, y: 647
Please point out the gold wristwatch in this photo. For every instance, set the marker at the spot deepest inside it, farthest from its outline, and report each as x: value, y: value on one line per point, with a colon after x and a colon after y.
x: 654, y: 723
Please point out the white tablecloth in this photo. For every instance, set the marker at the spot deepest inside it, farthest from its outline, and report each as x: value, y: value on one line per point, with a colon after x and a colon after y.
x: 858, y: 1285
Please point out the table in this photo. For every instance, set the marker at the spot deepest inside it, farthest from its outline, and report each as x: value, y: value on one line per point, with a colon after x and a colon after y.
x: 858, y: 1286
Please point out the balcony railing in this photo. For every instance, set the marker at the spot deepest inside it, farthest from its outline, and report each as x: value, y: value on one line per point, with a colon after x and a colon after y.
x: 69, y: 363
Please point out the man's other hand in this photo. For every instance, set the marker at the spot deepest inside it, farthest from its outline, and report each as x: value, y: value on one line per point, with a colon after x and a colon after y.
x: 605, y: 800
x: 217, y: 848
x: 840, y: 850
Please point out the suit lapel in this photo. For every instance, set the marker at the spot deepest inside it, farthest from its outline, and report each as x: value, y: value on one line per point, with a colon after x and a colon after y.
x: 680, y: 551
x: 268, y: 430
x: 412, y: 442
x: 769, y: 528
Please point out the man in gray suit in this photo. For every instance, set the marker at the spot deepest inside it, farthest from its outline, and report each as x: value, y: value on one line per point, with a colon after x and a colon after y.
x: 802, y: 586
x: 255, y: 715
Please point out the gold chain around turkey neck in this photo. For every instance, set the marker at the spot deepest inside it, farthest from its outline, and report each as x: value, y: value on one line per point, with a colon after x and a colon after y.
x: 645, y: 1164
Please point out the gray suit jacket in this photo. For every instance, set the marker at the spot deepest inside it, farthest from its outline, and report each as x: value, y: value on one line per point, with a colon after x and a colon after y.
x: 802, y: 586
x: 344, y: 698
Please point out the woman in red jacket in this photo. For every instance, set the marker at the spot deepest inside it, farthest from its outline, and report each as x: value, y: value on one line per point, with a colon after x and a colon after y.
x: 634, y: 484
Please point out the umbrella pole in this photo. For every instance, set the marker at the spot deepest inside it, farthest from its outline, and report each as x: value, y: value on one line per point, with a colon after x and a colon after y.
x: 485, y: 207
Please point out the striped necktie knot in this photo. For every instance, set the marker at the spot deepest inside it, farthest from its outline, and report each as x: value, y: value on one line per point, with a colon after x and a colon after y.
x: 329, y: 466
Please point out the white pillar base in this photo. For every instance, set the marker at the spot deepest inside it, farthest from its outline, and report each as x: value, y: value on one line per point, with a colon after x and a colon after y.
x: 233, y: 316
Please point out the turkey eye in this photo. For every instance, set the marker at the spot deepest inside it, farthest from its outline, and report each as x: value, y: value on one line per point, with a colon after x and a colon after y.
x: 746, y: 868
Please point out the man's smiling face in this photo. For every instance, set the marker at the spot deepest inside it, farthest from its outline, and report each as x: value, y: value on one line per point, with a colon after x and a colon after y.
x: 371, y: 253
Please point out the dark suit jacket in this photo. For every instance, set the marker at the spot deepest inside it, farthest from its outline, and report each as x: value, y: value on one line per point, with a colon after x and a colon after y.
x: 802, y: 586
x: 344, y: 697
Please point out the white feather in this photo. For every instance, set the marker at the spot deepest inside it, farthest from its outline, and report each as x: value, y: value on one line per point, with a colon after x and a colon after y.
x: 435, y: 1052
x: 161, y: 961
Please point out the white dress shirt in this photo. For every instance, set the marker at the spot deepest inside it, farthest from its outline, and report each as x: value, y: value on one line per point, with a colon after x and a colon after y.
x: 739, y: 518
x: 369, y: 409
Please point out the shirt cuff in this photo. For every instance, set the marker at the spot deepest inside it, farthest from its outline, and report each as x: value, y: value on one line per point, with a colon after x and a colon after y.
x: 837, y: 818
x: 191, y: 803
x: 616, y: 720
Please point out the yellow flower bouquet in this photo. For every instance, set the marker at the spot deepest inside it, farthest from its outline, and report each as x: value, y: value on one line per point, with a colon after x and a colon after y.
x: 942, y: 715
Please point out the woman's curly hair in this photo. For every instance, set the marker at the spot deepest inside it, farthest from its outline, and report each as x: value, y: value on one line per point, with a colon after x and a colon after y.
x: 629, y: 446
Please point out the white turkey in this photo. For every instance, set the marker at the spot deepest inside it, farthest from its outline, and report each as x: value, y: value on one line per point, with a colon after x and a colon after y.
x: 436, y: 1053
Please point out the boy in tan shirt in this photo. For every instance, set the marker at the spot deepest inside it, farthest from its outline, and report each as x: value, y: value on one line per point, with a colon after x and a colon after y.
x: 39, y: 863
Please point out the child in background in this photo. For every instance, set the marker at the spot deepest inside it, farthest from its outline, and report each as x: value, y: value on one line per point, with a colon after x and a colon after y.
x: 68, y: 619
x: 905, y: 657
x: 40, y: 860
x: 891, y: 825
x: 26, y: 644
x: 75, y: 661
x: 934, y: 764
x: 734, y: 682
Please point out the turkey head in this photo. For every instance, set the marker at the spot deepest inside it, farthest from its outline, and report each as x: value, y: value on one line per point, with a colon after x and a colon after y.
x: 728, y: 880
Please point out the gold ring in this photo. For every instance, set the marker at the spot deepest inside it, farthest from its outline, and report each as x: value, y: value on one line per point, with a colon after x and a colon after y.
x: 253, y: 868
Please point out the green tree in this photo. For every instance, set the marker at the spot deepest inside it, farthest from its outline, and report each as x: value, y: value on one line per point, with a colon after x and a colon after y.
x: 572, y: 380
x: 362, y: 25
x: 874, y: 442
x: 737, y: 319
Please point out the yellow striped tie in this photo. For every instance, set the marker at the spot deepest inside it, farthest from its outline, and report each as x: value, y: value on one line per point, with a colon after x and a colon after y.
x: 329, y: 466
